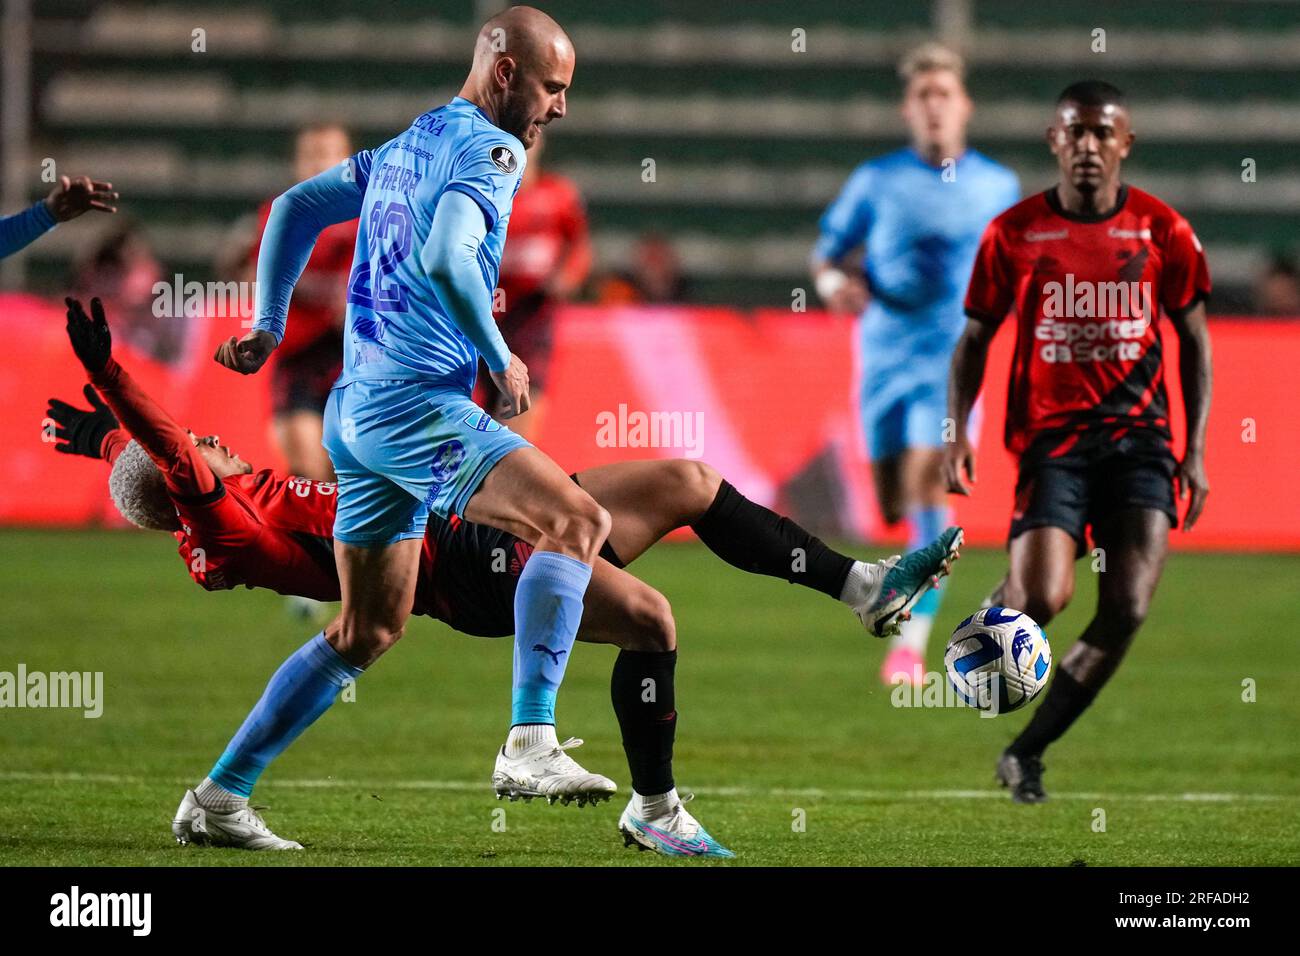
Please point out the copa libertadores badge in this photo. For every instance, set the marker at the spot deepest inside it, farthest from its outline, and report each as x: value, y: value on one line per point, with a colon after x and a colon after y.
x: 504, y: 159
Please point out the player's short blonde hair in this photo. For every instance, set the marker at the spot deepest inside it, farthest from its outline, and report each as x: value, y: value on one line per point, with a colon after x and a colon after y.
x: 928, y: 57
x: 139, y: 491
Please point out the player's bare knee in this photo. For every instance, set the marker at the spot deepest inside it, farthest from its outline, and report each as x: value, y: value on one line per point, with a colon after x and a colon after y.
x: 368, y: 637
x: 1045, y: 600
x: 586, y: 529
x: 654, y: 624
x: 695, y: 484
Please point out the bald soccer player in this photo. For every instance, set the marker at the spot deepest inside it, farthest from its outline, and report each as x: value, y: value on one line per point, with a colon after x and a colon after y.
x: 402, y: 433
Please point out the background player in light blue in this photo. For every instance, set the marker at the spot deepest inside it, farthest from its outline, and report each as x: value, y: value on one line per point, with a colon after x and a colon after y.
x: 403, y: 435
x: 919, y: 213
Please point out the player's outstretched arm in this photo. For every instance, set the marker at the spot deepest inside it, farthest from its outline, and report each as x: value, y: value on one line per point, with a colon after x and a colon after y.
x: 297, y: 218
x: 167, y: 443
x: 68, y: 200
x: 1195, y: 371
x: 450, y: 259
x: 22, y: 229
x: 964, y: 381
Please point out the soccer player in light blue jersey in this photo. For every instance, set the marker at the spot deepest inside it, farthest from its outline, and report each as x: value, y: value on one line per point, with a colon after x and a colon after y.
x: 403, y: 435
x: 68, y: 200
x: 918, y: 214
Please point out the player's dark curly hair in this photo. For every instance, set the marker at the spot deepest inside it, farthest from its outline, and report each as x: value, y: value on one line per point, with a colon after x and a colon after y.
x: 1093, y: 93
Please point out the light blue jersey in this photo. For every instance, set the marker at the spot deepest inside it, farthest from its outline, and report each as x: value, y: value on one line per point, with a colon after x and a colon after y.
x: 400, y: 428
x: 920, y: 227
x: 396, y: 328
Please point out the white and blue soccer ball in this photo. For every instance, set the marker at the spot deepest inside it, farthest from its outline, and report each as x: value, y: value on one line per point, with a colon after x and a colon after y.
x: 998, y: 660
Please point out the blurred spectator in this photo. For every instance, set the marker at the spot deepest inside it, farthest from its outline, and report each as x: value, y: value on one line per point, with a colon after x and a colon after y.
x: 306, y: 363
x: 119, y: 266
x: 654, y: 277
x: 546, y: 261
x: 1277, y: 289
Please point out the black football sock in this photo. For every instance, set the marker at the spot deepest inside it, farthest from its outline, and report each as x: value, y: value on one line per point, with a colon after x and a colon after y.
x: 755, y: 539
x: 641, y: 688
x: 1066, y: 699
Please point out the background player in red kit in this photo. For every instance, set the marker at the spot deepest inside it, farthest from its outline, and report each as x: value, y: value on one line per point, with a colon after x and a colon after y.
x: 1086, y: 267
x: 307, y: 362
x: 546, y: 261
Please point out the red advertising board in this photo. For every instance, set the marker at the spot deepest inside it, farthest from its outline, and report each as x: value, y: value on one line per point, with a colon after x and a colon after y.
x: 767, y: 397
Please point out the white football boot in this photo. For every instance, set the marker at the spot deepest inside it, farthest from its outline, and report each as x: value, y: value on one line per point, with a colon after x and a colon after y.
x: 545, y: 770
x: 672, y: 831
x: 242, y: 828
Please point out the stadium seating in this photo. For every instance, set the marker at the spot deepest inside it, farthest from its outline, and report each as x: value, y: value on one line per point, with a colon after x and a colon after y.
x: 750, y: 138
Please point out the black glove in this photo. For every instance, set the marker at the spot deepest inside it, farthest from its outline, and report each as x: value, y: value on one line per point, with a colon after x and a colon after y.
x: 81, y: 432
x: 90, y: 338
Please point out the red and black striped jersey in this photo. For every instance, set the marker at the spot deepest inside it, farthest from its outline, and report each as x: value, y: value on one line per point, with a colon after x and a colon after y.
x: 276, y: 531
x: 261, y: 530
x: 1087, y: 293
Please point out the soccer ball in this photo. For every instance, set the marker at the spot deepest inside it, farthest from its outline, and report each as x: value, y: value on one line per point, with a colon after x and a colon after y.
x: 998, y: 660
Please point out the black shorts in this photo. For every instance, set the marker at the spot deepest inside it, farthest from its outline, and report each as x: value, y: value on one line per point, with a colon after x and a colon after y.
x: 301, y: 382
x: 1076, y: 490
x: 476, y: 571
x: 475, y: 575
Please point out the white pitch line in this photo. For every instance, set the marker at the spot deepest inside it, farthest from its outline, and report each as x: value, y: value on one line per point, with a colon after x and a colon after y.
x: 833, y: 793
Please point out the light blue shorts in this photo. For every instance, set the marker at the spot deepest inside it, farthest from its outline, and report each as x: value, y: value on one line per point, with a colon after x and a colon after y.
x: 902, y: 411
x: 404, y: 449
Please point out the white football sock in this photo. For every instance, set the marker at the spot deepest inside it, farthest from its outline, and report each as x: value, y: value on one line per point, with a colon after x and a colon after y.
x: 656, y: 805
x: 915, y: 634
x: 212, y: 796
x: 523, y: 736
x: 862, y: 584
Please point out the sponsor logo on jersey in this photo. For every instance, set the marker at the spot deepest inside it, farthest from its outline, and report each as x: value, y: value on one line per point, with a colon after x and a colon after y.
x: 1129, y: 233
x: 1047, y: 236
x: 1116, y: 318
x: 1095, y: 321
x: 503, y: 159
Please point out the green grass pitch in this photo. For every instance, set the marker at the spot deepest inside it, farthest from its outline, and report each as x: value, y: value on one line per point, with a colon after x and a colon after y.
x: 793, y: 748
